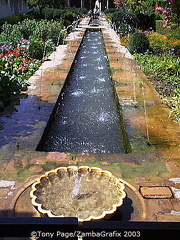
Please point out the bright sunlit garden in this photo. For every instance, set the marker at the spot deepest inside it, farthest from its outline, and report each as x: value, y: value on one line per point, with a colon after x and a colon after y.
x: 25, y: 41
x: 90, y: 89
x: 149, y: 29
x: 151, y: 32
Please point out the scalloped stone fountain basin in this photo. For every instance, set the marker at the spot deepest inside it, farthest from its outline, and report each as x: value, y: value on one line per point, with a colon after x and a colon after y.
x: 84, y: 192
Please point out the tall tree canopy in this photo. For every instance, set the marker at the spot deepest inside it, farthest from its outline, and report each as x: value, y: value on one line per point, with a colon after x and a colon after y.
x: 136, y: 6
x: 46, y: 3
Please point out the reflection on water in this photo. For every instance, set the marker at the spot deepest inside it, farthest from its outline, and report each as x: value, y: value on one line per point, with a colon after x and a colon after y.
x: 87, y: 118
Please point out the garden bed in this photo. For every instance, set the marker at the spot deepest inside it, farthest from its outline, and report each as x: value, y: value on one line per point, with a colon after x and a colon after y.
x: 161, y: 64
x: 24, y: 46
x: 157, y: 53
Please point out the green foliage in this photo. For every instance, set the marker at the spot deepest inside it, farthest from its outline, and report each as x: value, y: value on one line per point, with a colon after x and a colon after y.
x: 165, y: 66
x: 174, y: 104
x: 146, y: 21
x: 110, y: 10
x: 176, y: 12
x: 124, y: 21
x: 69, y: 17
x: 49, y: 47
x: 177, y: 49
x: 160, y: 44
x: 38, y: 3
x: 139, y: 6
x: 46, y: 3
x: 35, y: 14
x: 58, y: 3
x: 136, y: 6
x: 15, y: 68
x: 14, y: 19
x: 12, y: 80
x: 12, y: 34
x: 165, y: 31
x: 138, y: 43
x: 36, y: 48
x: 21, y: 46
x: 67, y: 14
x: 164, y: 70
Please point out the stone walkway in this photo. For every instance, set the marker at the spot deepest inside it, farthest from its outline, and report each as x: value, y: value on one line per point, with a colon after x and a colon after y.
x: 151, y: 168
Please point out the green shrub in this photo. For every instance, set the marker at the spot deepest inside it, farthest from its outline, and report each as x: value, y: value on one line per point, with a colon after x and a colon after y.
x: 146, y: 21
x: 11, y: 81
x: 124, y: 21
x: 36, y: 48
x: 10, y: 35
x: 110, y: 10
x: 69, y: 17
x: 54, y: 32
x: 177, y: 50
x: 39, y: 49
x: 174, y: 30
x: 51, y: 13
x: 164, y: 66
x: 35, y: 14
x: 138, y: 43
x: 14, y: 19
x: 49, y: 47
x: 81, y: 11
x: 164, y: 71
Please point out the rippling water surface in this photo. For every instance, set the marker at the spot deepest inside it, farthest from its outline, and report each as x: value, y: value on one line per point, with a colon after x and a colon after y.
x: 87, y: 118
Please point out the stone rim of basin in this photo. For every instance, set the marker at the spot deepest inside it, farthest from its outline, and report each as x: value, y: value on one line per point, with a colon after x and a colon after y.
x: 36, y: 186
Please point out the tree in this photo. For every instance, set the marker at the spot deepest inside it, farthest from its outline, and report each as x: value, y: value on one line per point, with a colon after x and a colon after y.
x: 171, y: 11
x: 58, y: 3
x: 120, y: 4
x: 41, y: 4
x: 136, y: 6
x: 38, y: 3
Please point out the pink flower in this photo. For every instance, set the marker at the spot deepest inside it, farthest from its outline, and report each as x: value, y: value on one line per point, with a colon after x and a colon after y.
x: 160, y: 10
x: 22, y: 68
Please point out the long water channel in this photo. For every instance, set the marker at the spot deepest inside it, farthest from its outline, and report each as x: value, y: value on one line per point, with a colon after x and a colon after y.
x: 87, y: 118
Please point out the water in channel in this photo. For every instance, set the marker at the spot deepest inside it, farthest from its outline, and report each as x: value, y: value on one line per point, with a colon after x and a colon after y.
x: 87, y: 118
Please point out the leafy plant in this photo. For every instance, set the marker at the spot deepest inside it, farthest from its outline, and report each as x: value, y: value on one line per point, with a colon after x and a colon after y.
x: 36, y: 48
x: 22, y: 47
x: 174, y: 104
x: 164, y: 66
x: 164, y: 72
x: 124, y: 21
x: 138, y: 43
x: 15, y: 68
x: 160, y: 43
x: 69, y: 17
x: 14, y: 19
x: 12, y: 80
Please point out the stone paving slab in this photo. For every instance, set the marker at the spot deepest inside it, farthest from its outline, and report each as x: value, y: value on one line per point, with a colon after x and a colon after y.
x: 156, y: 192
x: 168, y: 218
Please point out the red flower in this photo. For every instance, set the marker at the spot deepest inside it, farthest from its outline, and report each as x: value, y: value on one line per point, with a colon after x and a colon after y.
x: 16, y: 54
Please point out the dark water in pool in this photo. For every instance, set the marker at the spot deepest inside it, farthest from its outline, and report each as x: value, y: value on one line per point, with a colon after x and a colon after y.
x: 87, y: 118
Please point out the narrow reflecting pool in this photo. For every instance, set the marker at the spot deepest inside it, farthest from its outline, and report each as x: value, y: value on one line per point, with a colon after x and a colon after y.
x: 87, y: 117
